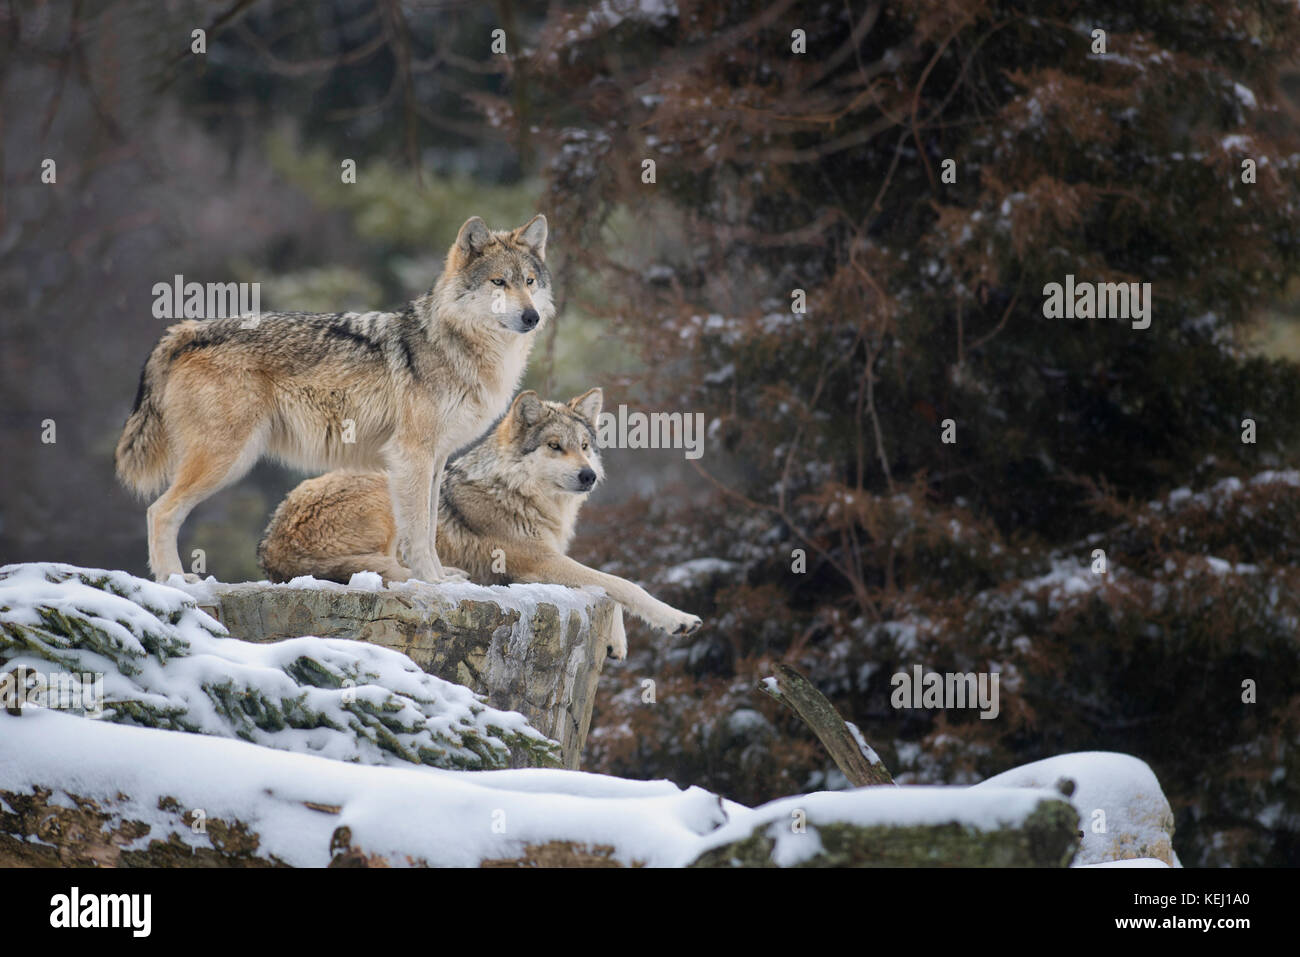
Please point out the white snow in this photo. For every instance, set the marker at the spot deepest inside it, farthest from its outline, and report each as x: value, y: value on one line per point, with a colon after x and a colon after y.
x: 518, y: 597
x: 1134, y: 810
x: 1067, y: 577
x: 1130, y: 862
x: 688, y: 573
x: 610, y: 13
x: 441, y: 817
x: 1226, y: 488
x: 875, y: 806
x: 444, y: 818
x: 196, y: 658
x: 867, y: 750
x: 367, y: 581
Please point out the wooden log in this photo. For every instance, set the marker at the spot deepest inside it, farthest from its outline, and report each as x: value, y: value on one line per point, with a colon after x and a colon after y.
x: 850, y: 751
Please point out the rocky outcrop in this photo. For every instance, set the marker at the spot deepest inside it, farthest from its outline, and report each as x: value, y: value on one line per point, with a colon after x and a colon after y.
x: 44, y: 828
x: 272, y: 749
x: 901, y: 827
x: 75, y: 791
x: 129, y: 651
x: 535, y: 649
x: 1123, y: 813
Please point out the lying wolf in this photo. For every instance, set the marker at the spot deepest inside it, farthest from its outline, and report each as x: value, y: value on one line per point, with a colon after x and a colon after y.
x: 507, y: 513
x: 398, y: 391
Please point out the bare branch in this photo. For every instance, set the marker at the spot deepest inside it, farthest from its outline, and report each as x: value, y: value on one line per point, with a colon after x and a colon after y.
x: 851, y: 753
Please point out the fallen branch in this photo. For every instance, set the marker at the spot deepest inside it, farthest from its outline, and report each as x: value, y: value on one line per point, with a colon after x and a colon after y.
x: 860, y: 764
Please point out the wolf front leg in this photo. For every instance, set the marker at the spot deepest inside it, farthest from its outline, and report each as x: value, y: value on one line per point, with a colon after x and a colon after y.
x: 446, y: 572
x: 562, y: 570
x: 411, y: 474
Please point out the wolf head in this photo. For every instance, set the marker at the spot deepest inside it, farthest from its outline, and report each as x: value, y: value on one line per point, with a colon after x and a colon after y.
x: 554, y: 443
x: 499, y: 277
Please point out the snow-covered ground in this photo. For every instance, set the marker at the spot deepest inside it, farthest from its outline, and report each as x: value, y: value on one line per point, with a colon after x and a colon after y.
x: 433, y: 816
x: 461, y: 818
x: 444, y: 818
x: 295, y: 782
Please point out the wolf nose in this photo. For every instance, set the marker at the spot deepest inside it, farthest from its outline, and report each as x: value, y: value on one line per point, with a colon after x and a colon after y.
x: 530, y: 318
x: 587, y: 478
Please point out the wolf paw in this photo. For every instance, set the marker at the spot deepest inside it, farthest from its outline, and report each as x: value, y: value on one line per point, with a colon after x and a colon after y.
x: 689, y: 627
x: 680, y: 623
x: 617, y: 647
x: 446, y: 576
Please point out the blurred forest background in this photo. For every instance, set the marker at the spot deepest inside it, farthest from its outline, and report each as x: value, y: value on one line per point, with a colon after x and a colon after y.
x: 827, y: 524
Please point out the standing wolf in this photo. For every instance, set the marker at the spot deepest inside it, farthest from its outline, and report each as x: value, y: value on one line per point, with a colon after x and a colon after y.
x: 507, y: 513
x: 399, y: 391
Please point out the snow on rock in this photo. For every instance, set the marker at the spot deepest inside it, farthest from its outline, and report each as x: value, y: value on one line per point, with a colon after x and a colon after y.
x: 352, y: 755
x: 899, y: 826
x: 1117, y: 792
x: 532, y: 648
x: 522, y: 597
x: 370, y: 581
x: 144, y: 787
x: 166, y: 664
x: 114, y: 795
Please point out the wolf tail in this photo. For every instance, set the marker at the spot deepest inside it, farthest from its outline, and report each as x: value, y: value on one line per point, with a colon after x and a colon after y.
x: 144, y: 455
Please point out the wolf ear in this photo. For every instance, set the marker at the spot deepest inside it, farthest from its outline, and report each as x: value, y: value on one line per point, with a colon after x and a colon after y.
x: 533, y: 235
x: 527, y: 409
x: 473, y: 236
x: 588, y: 404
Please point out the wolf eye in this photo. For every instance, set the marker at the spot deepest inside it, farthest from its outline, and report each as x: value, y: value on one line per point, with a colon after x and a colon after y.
x: 584, y: 446
x: 498, y: 282
x: 554, y: 445
x: 530, y: 280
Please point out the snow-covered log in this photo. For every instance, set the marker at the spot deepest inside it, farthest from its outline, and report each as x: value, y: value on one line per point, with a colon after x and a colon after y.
x: 901, y: 827
x: 1123, y: 813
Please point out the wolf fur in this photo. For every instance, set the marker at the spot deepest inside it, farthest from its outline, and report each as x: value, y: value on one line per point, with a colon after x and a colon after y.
x: 507, y: 514
x: 398, y: 391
